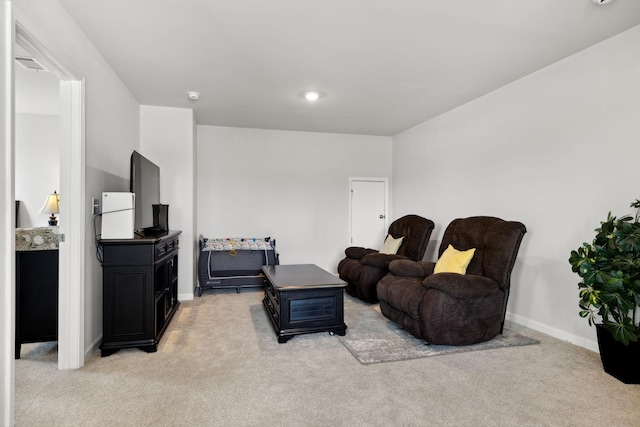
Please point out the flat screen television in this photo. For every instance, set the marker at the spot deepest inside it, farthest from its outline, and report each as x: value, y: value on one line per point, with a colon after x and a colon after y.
x: 145, y: 184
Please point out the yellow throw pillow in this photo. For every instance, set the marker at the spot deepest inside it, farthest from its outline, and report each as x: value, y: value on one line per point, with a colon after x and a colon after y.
x: 391, y: 245
x: 454, y: 261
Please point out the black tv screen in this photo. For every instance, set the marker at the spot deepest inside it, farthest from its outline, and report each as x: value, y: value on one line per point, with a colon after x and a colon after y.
x: 145, y: 184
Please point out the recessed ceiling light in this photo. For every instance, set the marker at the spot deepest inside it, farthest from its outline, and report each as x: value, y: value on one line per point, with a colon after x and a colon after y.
x: 194, y: 96
x: 312, y: 95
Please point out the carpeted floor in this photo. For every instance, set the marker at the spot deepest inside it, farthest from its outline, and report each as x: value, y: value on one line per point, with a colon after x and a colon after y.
x: 220, y: 364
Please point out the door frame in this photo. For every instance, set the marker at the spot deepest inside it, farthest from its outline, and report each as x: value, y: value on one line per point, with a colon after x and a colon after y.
x: 14, y: 27
x: 7, y: 217
x: 386, y: 201
x: 71, y: 298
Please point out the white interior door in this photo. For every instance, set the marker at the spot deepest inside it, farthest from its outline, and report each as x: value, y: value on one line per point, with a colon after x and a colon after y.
x: 369, y: 222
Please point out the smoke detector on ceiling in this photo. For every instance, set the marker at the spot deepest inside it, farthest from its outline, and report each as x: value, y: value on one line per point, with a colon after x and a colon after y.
x: 601, y: 2
x: 30, y: 63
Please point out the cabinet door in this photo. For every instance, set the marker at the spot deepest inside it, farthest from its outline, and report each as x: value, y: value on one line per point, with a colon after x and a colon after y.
x: 173, y: 280
x: 128, y: 303
x: 36, y: 296
x: 166, y: 291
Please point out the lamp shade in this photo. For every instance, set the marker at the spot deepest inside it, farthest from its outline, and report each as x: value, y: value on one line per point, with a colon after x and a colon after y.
x: 51, y: 204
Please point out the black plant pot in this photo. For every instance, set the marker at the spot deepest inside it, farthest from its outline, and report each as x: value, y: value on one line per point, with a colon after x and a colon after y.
x: 619, y: 360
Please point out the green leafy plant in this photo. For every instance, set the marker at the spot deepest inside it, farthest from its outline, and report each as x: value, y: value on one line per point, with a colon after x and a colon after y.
x: 610, y: 272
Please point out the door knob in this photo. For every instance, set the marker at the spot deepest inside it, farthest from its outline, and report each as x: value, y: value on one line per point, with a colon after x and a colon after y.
x: 381, y: 216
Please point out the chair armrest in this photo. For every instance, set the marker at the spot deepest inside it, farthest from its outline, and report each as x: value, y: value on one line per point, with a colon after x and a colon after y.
x: 380, y: 260
x: 462, y: 285
x: 409, y: 268
x: 357, y: 252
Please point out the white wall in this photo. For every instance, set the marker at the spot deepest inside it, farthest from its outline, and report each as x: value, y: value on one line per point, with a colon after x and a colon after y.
x: 556, y: 150
x: 112, y: 127
x: 167, y: 139
x: 112, y: 132
x: 292, y: 186
x: 37, y: 92
x: 37, y: 170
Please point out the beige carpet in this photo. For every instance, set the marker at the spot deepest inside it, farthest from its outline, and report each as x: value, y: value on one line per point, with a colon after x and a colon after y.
x: 219, y: 364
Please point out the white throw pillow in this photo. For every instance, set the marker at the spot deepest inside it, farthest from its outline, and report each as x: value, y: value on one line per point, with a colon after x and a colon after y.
x: 391, y: 245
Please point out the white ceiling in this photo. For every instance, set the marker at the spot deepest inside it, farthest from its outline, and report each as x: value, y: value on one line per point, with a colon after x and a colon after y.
x: 385, y: 65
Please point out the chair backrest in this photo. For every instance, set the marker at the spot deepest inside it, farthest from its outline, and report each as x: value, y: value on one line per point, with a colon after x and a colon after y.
x: 496, y: 241
x: 416, y: 231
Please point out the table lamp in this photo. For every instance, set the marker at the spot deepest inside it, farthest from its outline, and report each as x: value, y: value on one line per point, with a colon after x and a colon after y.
x: 51, y: 206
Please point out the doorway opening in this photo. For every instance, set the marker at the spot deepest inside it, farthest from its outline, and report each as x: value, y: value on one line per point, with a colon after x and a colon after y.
x: 71, y: 351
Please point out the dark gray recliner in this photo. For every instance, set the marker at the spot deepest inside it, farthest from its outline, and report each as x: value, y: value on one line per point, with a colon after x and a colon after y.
x: 362, y: 268
x: 452, y: 308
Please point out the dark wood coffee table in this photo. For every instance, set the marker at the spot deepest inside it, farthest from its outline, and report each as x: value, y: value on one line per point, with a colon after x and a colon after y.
x: 303, y: 298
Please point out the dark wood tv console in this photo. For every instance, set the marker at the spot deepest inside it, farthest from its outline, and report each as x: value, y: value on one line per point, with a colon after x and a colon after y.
x: 140, y: 290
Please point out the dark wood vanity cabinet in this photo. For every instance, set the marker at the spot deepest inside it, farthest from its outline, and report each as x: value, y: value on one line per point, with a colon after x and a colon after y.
x: 36, y: 297
x: 140, y: 290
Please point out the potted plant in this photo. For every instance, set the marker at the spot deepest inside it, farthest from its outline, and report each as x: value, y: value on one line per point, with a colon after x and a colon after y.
x: 610, y: 292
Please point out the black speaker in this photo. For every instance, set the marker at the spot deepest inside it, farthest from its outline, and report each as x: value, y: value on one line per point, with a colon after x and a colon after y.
x: 161, y: 217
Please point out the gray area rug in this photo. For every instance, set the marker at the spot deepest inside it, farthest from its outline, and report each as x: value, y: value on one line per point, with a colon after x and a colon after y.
x: 372, y: 338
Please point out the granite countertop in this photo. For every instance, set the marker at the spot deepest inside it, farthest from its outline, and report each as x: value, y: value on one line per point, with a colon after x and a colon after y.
x: 37, y: 238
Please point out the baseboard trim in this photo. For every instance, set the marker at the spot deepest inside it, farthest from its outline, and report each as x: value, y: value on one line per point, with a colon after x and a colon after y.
x: 554, y: 332
x: 93, y: 347
x: 185, y: 297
